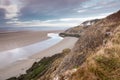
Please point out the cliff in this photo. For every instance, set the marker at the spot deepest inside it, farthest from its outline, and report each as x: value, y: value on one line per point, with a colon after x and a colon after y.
x: 95, y: 56
x: 87, y: 52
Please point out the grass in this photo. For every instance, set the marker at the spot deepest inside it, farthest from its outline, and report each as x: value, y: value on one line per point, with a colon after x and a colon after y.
x: 113, y: 51
x: 69, y: 35
x: 36, y: 70
x: 116, y: 40
x: 108, y: 64
x: 99, y: 74
x: 102, y: 67
x: 39, y: 68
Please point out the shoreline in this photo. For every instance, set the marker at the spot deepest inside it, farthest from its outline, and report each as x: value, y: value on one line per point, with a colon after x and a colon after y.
x: 21, y: 66
x: 13, y: 55
x: 12, y: 40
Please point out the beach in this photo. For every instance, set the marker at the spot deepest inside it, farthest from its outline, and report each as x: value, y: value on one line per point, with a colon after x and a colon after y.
x: 19, y: 67
x: 11, y: 40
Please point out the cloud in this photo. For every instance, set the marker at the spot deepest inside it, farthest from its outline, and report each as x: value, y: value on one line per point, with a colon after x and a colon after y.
x: 2, y: 13
x: 54, y: 12
x: 62, y: 22
x: 80, y: 11
x: 41, y: 24
x: 11, y: 11
x: 5, y: 2
x: 2, y: 17
x: 8, y: 12
x: 44, y: 9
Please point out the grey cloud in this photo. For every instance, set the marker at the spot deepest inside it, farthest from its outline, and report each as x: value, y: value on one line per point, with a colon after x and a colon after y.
x: 2, y: 13
x: 55, y: 9
x: 48, y: 8
x: 2, y: 17
x: 5, y: 2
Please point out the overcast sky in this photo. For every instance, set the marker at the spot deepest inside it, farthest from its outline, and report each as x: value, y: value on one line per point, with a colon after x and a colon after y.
x: 25, y: 13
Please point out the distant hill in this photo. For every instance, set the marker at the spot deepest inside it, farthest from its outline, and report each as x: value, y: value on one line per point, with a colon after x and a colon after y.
x: 90, y: 22
x: 78, y: 30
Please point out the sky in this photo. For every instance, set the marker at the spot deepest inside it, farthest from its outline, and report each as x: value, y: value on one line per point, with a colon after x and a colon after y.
x: 53, y: 13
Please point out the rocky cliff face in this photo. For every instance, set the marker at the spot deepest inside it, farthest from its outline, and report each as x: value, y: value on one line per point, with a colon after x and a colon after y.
x: 91, y: 40
x: 103, y: 64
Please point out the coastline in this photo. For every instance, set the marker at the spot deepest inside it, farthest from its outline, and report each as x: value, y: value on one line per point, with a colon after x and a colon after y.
x: 21, y: 66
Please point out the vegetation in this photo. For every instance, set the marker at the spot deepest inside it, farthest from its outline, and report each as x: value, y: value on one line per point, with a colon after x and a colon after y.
x: 39, y: 68
x: 117, y: 39
x: 69, y: 35
x: 102, y: 66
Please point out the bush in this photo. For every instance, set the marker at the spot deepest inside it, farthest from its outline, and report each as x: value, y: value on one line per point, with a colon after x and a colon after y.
x: 69, y: 35
x: 66, y: 50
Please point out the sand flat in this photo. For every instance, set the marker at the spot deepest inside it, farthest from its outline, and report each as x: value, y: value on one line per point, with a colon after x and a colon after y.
x: 11, y: 40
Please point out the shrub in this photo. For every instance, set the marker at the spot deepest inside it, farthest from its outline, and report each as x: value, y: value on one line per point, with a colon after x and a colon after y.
x: 67, y: 50
x: 69, y: 35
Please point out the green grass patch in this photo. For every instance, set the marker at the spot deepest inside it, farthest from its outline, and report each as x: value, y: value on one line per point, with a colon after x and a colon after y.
x: 39, y: 68
x: 99, y: 74
x: 69, y: 35
x: 106, y: 66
